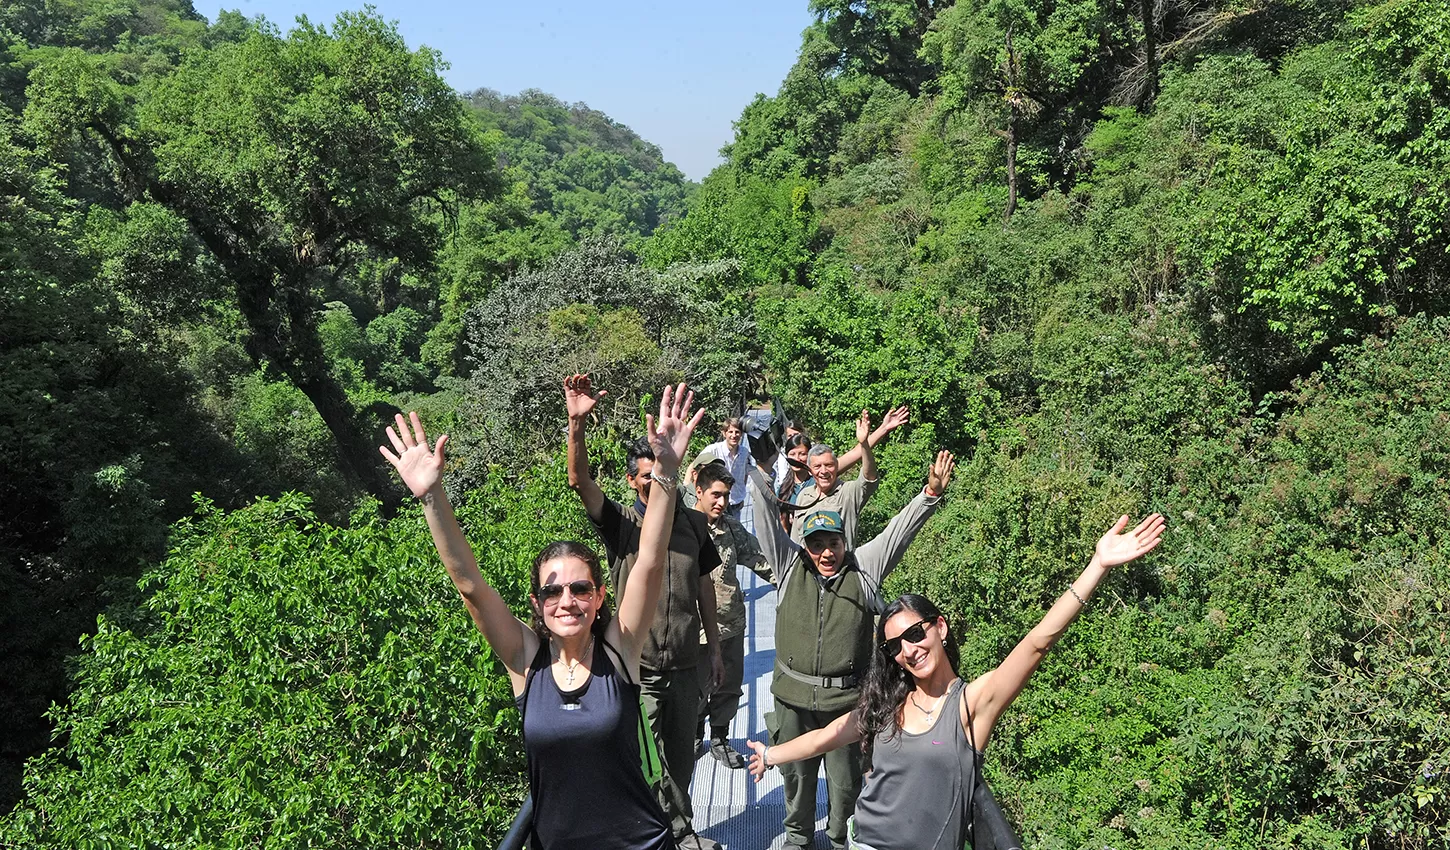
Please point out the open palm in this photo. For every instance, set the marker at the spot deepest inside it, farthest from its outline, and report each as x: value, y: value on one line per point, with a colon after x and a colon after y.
x: 896, y: 418
x: 940, y: 474
x: 420, y: 469
x: 1117, y: 547
x: 579, y: 396
x: 669, y: 433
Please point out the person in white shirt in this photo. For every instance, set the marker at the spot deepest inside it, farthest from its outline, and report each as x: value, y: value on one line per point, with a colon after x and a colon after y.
x: 735, y: 454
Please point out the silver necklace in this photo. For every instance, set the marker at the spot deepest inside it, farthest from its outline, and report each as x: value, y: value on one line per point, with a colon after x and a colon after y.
x: 930, y: 713
x: 570, y: 668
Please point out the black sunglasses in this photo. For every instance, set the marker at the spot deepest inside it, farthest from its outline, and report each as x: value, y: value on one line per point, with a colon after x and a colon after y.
x: 582, y: 587
x: 913, y: 634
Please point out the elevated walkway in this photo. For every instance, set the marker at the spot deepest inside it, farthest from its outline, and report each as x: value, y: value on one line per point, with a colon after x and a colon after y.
x: 729, y: 807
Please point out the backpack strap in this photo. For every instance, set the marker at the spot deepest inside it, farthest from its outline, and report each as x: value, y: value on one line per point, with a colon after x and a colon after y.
x: 618, y: 660
x: 649, y: 752
x: 534, y: 667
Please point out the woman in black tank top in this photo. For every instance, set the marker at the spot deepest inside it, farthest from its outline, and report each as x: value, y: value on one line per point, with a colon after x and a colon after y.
x: 575, y: 669
x: 926, y: 728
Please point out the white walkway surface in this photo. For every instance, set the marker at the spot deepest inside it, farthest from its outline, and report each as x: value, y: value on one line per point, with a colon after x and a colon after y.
x: 729, y: 807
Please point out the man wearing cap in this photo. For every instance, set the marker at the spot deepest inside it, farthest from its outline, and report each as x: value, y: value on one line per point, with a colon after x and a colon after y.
x: 669, y: 680
x: 829, y: 594
x: 713, y: 487
x: 826, y: 492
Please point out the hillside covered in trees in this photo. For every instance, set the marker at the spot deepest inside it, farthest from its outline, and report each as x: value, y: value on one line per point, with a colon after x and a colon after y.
x: 1177, y: 255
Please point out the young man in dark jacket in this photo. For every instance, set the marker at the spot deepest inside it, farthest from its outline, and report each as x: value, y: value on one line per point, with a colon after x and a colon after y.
x: 668, y: 675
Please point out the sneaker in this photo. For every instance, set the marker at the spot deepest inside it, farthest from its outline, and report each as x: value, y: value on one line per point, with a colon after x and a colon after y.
x: 726, y: 754
x: 695, y: 841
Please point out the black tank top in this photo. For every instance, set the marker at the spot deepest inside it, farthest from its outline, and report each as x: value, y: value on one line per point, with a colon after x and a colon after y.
x: 583, y: 753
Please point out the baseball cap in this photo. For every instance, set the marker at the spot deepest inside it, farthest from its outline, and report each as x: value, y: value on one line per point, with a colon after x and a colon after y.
x: 822, y: 521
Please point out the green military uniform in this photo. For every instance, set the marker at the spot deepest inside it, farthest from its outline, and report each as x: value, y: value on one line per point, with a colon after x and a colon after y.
x: 668, y: 678
x: 823, y: 634
x: 736, y: 547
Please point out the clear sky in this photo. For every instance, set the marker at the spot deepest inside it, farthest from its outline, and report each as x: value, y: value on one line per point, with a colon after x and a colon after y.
x: 677, y: 72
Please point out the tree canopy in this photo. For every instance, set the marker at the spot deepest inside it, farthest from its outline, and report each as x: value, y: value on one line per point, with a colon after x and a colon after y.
x: 1118, y: 257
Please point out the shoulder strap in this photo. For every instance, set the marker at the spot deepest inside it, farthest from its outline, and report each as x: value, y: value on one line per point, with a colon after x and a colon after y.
x: 529, y: 681
x: 971, y: 734
x: 619, y: 659
x: 650, y: 763
x: 969, y: 803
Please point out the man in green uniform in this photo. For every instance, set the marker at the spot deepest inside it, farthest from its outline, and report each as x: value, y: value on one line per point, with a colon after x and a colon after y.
x: 672, y: 651
x: 713, y: 488
x: 829, y: 594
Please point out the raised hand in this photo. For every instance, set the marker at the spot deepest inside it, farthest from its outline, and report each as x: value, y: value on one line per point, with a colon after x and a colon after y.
x: 1116, y: 548
x: 579, y: 396
x: 940, y: 474
x: 419, y: 468
x: 863, y: 426
x: 895, y: 418
x: 757, y: 759
x: 669, y: 434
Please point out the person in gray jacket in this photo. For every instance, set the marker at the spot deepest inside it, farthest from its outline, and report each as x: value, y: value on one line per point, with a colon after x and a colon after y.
x: 829, y: 594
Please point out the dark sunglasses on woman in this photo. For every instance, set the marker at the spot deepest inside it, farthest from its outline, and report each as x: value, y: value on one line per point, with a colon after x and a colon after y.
x: 913, y: 634
x: 582, y: 587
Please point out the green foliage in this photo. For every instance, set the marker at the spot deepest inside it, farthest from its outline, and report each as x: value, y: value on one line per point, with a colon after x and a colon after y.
x: 767, y: 226
x: 103, y: 442
x: 881, y: 38
x: 1331, y: 214
x: 286, y: 440
x: 594, y: 310
x: 151, y: 258
x: 1155, y: 328
x: 1222, y: 211
x: 369, y: 126
x: 293, y: 682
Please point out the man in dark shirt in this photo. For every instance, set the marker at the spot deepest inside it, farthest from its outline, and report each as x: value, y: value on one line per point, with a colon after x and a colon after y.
x: 671, y: 653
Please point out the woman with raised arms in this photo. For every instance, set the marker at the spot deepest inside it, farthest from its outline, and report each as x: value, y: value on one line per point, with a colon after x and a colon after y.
x: 575, y: 671
x: 923, y: 729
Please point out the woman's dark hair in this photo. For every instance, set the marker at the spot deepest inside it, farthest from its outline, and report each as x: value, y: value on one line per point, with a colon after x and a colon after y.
x: 787, y: 484
x: 570, y: 549
x: 888, y: 683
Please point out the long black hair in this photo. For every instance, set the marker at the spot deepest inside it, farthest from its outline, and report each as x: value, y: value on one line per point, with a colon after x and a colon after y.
x: 888, y: 683
x: 787, y: 484
x: 570, y: 549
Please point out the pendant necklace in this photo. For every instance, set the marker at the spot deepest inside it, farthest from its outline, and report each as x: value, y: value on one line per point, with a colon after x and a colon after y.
x: 930, y: 713
x: 570, y: 668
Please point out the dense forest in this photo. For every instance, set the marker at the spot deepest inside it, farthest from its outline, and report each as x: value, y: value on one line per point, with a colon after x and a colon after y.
x: 1178, y: 255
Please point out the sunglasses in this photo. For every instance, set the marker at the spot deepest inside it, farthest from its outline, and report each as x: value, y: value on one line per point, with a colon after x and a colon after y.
x: 582, y: 587
x: 913, y: 634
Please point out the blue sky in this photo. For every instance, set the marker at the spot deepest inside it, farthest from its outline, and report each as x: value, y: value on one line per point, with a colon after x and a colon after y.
x: 678, y: 73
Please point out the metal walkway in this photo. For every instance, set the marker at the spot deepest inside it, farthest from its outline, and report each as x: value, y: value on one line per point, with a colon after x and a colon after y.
x: 729, y: 807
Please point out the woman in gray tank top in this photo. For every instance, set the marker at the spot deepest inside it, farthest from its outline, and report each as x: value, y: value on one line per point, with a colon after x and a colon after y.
x: 917, y: 720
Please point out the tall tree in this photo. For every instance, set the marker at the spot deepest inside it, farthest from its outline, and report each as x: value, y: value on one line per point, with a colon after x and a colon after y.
x: 291, y: 159
x: 882, y: 37
x: 1030, y: 57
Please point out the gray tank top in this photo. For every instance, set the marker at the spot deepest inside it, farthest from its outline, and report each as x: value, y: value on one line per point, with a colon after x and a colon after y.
x: 917, y: 794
